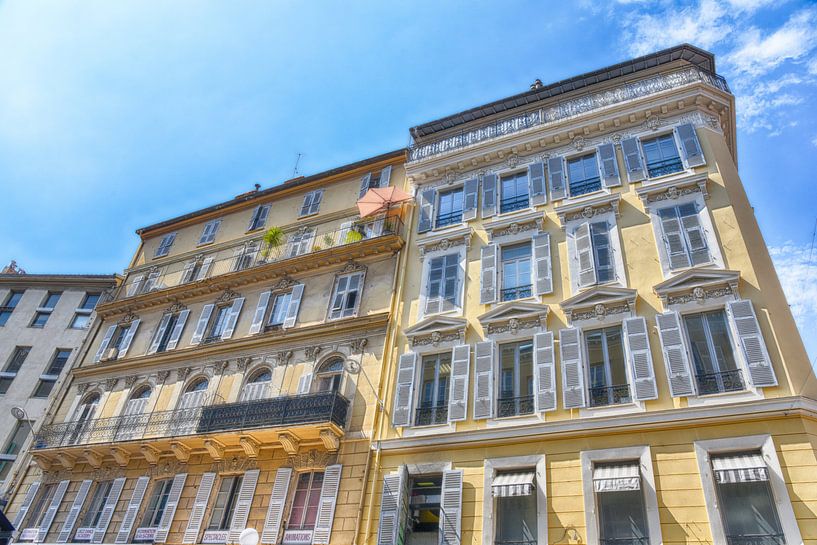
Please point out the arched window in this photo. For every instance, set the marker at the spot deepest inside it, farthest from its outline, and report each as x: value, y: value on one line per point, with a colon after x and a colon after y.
x: 329, y: 376
x: 258, y: 385
x: 138, y: 400
x: 188, y: 411
x: 195, y: 393
x: 82, y: 416
x: 133, y: 423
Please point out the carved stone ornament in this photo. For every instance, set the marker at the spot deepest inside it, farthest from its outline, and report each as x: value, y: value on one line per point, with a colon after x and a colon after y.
x: 312, y: 352
x: 283, y: 357
x: 357, y: 345
x: 700, y: 295
x: 182, y: 373
x: 110, y: 383
x: 579, y: 143
x: 177, y: 306
x: 450, y: 176
x: 82, y: 388
x: 513, y: 326
x: 314, y: 459
x: 222, y: 366
x: 352, y: 266
x: 227, y: 296
x: 512, y: 160
x: 445, y: 244
x: 673, y: 193
x: 589, y: 212
x: 436, y: 337
x: 283, y: 283
x: 162, y: 375
x: 616, y: 138
x: 107, y: 473
x: 653, y: 123
x: 242, y: 364
x: 167, y: 468
x: 234, y: 465
x: 56, y: 475
x: 127, y: 320
x: 599, y: 312
x: 130, y: 380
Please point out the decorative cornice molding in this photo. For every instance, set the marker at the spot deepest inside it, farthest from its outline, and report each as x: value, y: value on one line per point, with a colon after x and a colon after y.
x: 672, y: 189
x: 445, y: 240
x: 313, y: 459
x: 227, y: 296
x: 587, y: 209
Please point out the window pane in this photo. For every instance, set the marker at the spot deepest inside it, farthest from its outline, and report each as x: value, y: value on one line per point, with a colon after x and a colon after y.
x: 58, y: 363
x: 424, y: 507
x: 749, y: 513
x: 16, y: 362
x: 80, y: 321
x: 91, y: 299
x: 5, y: 384
x: 40, y: 319
x: 13, y: 298
x: 4, y: 317
x: 516, y: 520
x: 595, y: 358
x: 51, y: 300
x: 621, y: 518
x: 43, y: 388
x: 720, y: 340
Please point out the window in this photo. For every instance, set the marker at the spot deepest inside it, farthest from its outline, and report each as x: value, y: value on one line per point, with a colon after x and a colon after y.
x: 330, y: 376
x: 13, y: 446
x: 601, y: 252
x: 684, y: 237
x: 82, y: 316
x: 167, y: 332
x: 594, y: 254
x: 164, y: 246
x: 583, y: 175
x: 312, y: 203
x: 44, y: 311
x: 372, y: 182
x: 225, y: 502
x: 40, y: 506
x: 49, y: 378
x: 516, y: 272
x: 425, y: 493
x: 434, y: 385
x: 12, y: 367
x: 278, y: 313
x: 94, y: 512
x: 9, y: 305
x: 208, y: 234
x: 715, y: 368
x: 514, y: 192
x: 156, y: 505
x: 259, y: 217
x: 662, y: 156
x: 300, y: 242
x: 304, y: 509
x: 606, y: 367
x: 245, y: 257
x: 346, y: 296
x: 443, y: 284
x: 82, y: 416
x: 258, y: 386
x: 515, y: 379
x: 196, y: 270
x: 218, y: 322
x: 516, y: 513
x: 449, y: 207
x: 622, y: 518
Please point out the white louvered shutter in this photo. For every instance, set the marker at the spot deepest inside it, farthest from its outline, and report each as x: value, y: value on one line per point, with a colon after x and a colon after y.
x: 176, y: 334
x: 426, y: 219
x: 542, y: 269
x: 364, y: 184
x: 187, y: 272
x: 243, y: 505
x: 536, y: 183
x: 676, y: 359
x: 326, y: 505
x: 674, y: 238
x: 277, y: 503
x: 637, y: 346
x: 191, y: 533
x: 232, y: 318
x: 544, y: 374
x: 160, y: 332
x: 152, y: 281
x: 294, y: 306
x: 205, y: 268
x: 73, y: 512
x: 128, y: 338
x: 385, y: 176
x: 305, y: 383
x: 460, y: 372
x: 260, y: 312
x: 51, y: 511
x: 631, y: 150
x: 572, y: 368
x: 107, y: 510
x: 393, y: 508
x: 484, y: 380
x: 403, y: 392
x: 690, y: 145
x: 608, y: 166
x: 135, y: 285
x: 695, y: 235
x: 31, y: 493
x: 747, y: 329
x: 128, y: 520
x: 451, y: 508
x: 170, y: 507
x: 489, y: 190
x: 556, y: 177
x: 106, y: 340
x: 470, y: 196
x: 584, y: 255
x: 488, y: 272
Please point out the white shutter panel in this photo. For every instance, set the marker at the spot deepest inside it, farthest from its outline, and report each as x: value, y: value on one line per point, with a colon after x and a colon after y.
x: 536, y: 183
x: 674, y: 239
x: 294, y: 306
x: 690, y: 145
x: 160, y: 332
x: 128, y: 338
x: 542, y: 270
x: 307, y: 204
x: 232, y: 318
x: 123, y: 536
x: 73, y: 513
x: 326, y: 505
x: 256, y: 214
x: 260, y: 312
x: 747, y: 329
x: 470, y: 197
x: 489, y: 182
x: 393, y: 508
x: 632, y: 158
x: 695, y: 235
x: 236, y: 263
x: 31, y: 493
x: 201, y: 325
x: 135, y: 284
x: 176, y: 334
x: 191, y: 534
x: 572, y: 368
x: 108, y: 509
x: 608, y: 166
x: 484, y: 380
x: 676, y: 358
x: 460, y: 372
x: 403, y: 393
x: 170, y: 507
x: 584, y: 255
x: 277, y: 502
x: 205, y: 268
x: 451, y: 508
x: 106, y: 340
x: 304, y: 383
x: 426, y: 219
x: 556, y: 176
x: 385, y: 176
x: 637, y: 345
x: 51, y: 512
x: 488, y: 262
x: 544, y: 373
x: 243, y: 505
x: 364, y: 184
x: 187, y: 272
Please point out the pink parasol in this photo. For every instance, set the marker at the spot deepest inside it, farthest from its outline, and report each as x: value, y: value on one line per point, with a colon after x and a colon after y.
x: 380, y: 199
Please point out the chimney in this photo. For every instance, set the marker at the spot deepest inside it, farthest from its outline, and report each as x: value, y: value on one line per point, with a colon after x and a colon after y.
x: 537, y: 84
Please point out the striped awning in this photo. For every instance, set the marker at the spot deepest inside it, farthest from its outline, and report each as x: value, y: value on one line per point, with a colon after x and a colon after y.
x: 518, y: 483
x: 617, y: 477
x: 740, y: 468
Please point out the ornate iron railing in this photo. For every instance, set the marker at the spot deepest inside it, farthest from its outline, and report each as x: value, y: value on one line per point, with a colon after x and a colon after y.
x: 514, y: 406
x: 451, y: 218
x: 756, y: 539
x: 565, y: 109
x: 511, y: 204
x: 609, y: 395
x: 429, y: 416
x: 718, y: 383
x: 583, y: 187
x: 667, y: 166
x: 519, y: 292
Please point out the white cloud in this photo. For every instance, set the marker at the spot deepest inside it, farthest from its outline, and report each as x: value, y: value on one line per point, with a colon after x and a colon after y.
x: 814, y: 141
x: 750, y: 6
x: 797, y: 268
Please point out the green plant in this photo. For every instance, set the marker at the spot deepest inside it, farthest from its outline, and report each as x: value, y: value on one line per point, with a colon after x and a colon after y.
x: 316, y: 248
x: 272, y: 239
x: 328, y: 240
x: 353, y: 236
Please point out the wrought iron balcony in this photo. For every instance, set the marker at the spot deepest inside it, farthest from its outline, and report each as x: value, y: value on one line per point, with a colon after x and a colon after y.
x: 512, y: 204
x: 444, y: 220
x: 514, y: 406
x: 756, y: 539
x: 518, y: 292
x: 583, y: 187
x: 566, y: 109
x: 609, y: 395
x: 429, y: 416
x: 719, y: 383
x: 667, y: 166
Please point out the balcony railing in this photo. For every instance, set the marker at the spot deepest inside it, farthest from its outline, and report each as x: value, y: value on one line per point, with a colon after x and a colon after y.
x: 512, y: 204
x: 667, y: 166
x: 719, y: 383
x: 444, y: 220
x: 253, y: 253
x: 609, y: 395
x: 429, y: 416
x: 514, y: 406
x: 566, y: 109
x: 518, y: 292
x: 583, y: 187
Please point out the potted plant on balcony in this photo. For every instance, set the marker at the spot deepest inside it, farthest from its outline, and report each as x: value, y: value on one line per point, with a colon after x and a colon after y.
x: 272, y: 239
x: 354, y: 234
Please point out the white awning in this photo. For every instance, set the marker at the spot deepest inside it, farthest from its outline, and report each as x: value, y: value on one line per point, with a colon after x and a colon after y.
x: 513, y: 484
x: 740, y: 468
x: 617, y: 477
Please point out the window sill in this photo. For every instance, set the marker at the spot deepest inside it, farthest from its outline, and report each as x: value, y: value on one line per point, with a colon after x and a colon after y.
x: 202, y: 244
x: 509, y: 421
x: 749, y: 394
x: 665, y: 177
x: 519, y: 212
x: 422, y: 431
x: 612, y: 410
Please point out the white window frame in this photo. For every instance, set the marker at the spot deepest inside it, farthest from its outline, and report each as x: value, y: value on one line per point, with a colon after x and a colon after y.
x: 566, y: 174
x: 498, y: 379
x: 418, y: 380
x: 491, y: 466
x: 334, y: 293
x: 657, y: 134
x: 210, y: 240
x: 640, y: 453
x: 704, y: 451
x: 615, y: 247
x: 504, y: 174
x: 436, y: 209
x: 457, y: 311
x: 311, y: 197
x: 166, y: 247
x: 500, y: 285
x: 257, y: 210
x: 605, y: 410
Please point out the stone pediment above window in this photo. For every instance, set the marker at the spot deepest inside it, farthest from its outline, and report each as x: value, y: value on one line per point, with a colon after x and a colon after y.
x: 667, y: 191
x: 445, y: 240
x: 599, y: 303
x: 587, y: 209
x: 512, y: 317
x: 436, y: 330
x: 698, y: 285
x: 532, y: 222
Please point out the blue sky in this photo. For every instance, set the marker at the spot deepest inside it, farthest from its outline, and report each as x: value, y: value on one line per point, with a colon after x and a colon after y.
x: 114, y: 115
